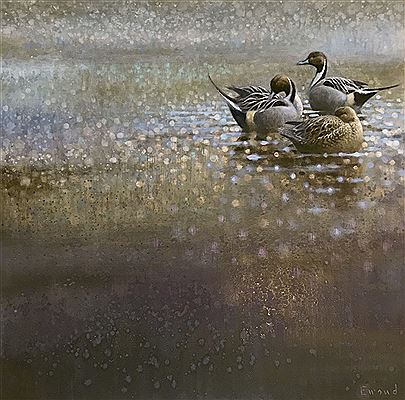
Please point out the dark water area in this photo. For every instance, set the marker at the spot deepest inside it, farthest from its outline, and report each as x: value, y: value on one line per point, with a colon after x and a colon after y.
x: 148, y: 254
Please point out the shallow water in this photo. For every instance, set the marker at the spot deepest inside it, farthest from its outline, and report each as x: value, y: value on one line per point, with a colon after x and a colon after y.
x: 149, y: 254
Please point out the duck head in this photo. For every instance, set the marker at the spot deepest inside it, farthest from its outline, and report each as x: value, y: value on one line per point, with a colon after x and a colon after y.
x: 316, y: 59
x: 346, y: 114
x: 282, y: 83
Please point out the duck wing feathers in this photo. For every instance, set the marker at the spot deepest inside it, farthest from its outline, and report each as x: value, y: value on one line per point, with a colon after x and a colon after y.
x: 243, y: 91
x: 345, y: 85
x: 254, y: 98
x: 256, y: 103
x: 322, y: 130
x: 251, y: 98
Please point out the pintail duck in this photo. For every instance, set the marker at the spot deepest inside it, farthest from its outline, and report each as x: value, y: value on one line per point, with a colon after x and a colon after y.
x: 328, y: 94
x: 254, y: 98
x: 259, y: 110
x: 337, y: 133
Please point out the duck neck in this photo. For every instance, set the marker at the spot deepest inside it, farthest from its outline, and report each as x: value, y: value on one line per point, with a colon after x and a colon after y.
x: 293, y: 91
x: 357, y: 127
x: 320, y: 73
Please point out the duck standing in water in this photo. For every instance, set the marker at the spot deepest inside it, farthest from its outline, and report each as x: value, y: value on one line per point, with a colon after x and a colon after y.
x: 259, y: 110
x: 328, y: 94
x: 337, y: 133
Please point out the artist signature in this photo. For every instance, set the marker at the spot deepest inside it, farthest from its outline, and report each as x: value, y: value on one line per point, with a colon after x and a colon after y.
x: 368, y: 391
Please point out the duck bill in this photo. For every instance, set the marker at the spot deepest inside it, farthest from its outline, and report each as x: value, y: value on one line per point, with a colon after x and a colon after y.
x: 303, y: 62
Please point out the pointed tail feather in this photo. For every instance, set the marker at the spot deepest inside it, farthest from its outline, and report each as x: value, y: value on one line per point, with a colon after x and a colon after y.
x: 237, y: 113
x: 226, y: 97
x: 380, y: 88
x: 361, y: 96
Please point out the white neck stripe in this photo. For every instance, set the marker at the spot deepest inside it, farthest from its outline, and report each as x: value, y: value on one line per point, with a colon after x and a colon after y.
x: 319, y: 75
